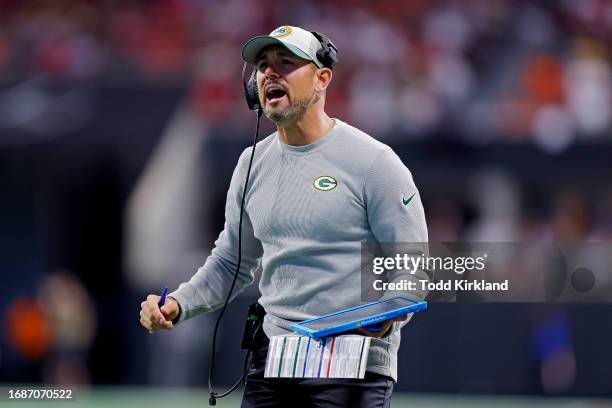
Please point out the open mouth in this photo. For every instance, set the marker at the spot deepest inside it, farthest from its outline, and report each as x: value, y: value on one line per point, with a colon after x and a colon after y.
x: 275, y: 94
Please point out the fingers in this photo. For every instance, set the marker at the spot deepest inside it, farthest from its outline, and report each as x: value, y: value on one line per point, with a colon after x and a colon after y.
x: 151, y: 317
x: 400, y: 318
x: 170, y: 309
x: 365, y: 332
x: 166, y: 324
x: 153, y: 298
x: 377, y: 334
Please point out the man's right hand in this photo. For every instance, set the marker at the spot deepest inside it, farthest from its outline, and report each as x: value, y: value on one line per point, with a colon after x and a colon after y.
x: 154, y: 318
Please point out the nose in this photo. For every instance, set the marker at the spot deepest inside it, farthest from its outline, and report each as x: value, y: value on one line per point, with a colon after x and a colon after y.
x: 270, y: 71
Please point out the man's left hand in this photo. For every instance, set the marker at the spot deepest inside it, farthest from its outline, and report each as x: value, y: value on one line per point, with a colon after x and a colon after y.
x: 386, y: 327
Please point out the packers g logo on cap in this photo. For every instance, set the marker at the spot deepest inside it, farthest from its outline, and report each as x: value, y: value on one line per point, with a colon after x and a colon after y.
x: 325, y: 183
x: 281, y: 32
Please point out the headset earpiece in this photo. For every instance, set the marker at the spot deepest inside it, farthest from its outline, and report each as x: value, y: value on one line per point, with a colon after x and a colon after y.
x: 251, y: 93
x: 328, y: 53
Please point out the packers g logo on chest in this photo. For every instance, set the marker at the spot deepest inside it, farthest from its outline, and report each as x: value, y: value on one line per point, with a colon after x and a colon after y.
x: 325, y: 183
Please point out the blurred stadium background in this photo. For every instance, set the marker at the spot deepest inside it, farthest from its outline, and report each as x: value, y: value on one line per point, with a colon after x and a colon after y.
x: 120, y: 124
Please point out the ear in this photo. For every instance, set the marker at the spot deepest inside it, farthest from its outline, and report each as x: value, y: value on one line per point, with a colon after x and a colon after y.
x: 324, y: 77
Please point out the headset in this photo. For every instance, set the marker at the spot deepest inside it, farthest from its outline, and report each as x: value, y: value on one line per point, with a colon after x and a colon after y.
x: 251, y: 93
x: 327, y: 55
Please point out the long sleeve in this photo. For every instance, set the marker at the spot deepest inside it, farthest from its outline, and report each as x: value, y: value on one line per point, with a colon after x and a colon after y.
x: 207, y: 289
x: 396, y: 218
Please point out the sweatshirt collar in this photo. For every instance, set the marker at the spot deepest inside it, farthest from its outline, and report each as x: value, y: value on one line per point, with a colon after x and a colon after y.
x: 311, y: 147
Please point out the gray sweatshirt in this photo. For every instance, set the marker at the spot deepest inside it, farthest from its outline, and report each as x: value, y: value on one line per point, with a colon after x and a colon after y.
x: 308, y: 209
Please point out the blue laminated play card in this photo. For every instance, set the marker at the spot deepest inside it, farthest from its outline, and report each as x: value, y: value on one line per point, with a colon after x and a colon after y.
x: 367, y: 316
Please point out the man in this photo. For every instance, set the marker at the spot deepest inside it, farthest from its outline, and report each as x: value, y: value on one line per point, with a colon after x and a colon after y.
x: 318, y: 189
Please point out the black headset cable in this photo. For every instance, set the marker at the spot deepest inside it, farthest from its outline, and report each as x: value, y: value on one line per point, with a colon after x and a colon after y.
x: 213, y: 395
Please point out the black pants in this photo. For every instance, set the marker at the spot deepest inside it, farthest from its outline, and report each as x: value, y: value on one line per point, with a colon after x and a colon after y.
x: 374, y: 391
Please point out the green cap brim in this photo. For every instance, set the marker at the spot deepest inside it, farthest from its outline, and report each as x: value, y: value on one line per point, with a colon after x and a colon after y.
x: 253, y: 47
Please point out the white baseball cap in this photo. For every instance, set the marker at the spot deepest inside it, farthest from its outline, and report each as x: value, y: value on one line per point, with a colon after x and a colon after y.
x: 300, y: 42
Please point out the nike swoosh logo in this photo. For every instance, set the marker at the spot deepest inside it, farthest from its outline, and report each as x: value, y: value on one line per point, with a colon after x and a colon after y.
x: 405, y: 202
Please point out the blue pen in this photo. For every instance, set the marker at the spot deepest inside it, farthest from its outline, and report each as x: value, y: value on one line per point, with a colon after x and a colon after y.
x: 162, y: 298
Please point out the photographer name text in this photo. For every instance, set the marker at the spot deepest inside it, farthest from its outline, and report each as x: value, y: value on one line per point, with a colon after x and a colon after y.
x: 446, y: 285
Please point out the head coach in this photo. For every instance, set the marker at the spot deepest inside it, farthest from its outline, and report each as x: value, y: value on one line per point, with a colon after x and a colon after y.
x: 318, y: 188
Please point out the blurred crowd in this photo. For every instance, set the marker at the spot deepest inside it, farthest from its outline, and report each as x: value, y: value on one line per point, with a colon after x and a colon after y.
x: 482, y: 70
x: 497, y: 207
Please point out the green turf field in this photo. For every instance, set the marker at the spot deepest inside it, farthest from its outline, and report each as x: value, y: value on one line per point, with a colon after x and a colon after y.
x: 198, y: 398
